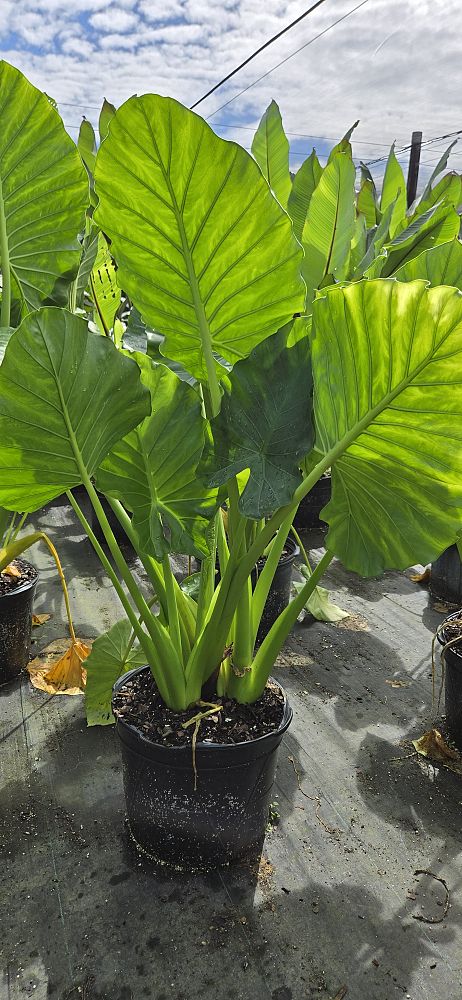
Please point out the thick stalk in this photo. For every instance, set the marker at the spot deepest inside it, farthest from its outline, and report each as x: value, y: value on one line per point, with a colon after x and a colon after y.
x: 207, y: 579
x: 214, y: 634
x: 249, y: 688
x: 158, y: 663
x: 5, y: 264
x: 243, y: 644
x: 172, y: 609
x: 154, y: 572
x: 266, y: 577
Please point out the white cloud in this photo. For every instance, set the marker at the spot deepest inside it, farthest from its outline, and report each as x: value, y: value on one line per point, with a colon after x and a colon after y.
x: 395, y: 64
x: 114, y: 19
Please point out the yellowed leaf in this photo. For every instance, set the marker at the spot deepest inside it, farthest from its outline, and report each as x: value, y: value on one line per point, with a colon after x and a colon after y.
x: 40, y: 619
x: 395, y: 683
x: 423, y: 577
x: 433, y: 746
x: 58, y: 669
x: 12, y: 570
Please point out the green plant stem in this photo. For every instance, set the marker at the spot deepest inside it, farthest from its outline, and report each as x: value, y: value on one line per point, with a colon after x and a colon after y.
x: 242, y: 644
x: 172, y: 609
x: 211, y: 642
x: 252, y: 685
x: 266, y: 577
x: 161, y: 655
x: 154, y: 572
x: 207, y: 579
x: 5, y: 265
x: 301, y: 546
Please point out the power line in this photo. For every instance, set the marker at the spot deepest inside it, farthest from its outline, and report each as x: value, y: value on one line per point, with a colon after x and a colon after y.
x: 257, y: 51
x: 300, y: 135
x: 426, y: 142
x: 281, y: 63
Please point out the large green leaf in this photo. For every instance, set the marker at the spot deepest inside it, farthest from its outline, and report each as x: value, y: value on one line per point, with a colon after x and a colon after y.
x: 265, y: 424
x: 304, y: 183
x: 387, y: 361
x: 448, y: 190
x: 366, y: 203
x: 374, y: 258
x: 66, y: 397
x: 86, y: 144
x: 437, y: 225
x: 112, y: 655
x: 440, y: 166
x: 394, y: 191
x: 440, y: 266
x: 203, y: 249
x: 153, y: 470
x: 329, y: 224
x: 344, y: 146
x: 105, y: 117
x: 270, y: 148
x: 43, y: 195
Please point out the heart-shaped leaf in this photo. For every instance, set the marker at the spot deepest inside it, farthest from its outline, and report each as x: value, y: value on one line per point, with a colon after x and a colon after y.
x: 203, y: 249
x: 43, y: 196
x: 66, y: 397
x: 112, y: 654
x: 265, y: 424
x: 387, y: 361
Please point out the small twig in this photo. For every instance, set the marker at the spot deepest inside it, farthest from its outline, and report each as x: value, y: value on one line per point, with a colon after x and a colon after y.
x: 341, y: 993
x: 404, y: 757
x: 433, y: 920
x: 314, y: 798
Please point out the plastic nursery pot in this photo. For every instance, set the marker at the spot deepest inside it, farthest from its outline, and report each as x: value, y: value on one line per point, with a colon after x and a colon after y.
x: 119, y: 534
x: 279, y: 593
x: 220, y: 821
x: 446, y: 576
x: 16, y: 625
x: 307, y: 517
x: 452, y: 680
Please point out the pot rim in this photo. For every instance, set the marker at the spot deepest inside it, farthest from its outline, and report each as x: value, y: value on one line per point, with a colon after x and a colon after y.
x: 27, y: 585
x: 201, y: 746
x: 440, y: 633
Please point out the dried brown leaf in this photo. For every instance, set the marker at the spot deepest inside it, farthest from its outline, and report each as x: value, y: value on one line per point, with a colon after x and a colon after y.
x: 434, y: 747
x: 58, y: 669
x: 423, y: 577
x: 12, y: 570
x: 395, y: 683
x: 40, y: 619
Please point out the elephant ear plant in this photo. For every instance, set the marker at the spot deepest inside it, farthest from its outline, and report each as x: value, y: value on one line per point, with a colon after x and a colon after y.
x: 208, y: 257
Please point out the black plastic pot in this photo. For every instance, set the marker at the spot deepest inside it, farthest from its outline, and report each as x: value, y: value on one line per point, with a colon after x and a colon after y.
x: 307, y: 517
x: 446, y: 576
x: 15, y: 628
x: 452, y: 684
x: 119, y: 534
x: 219, y: 822
x: 279, y: 594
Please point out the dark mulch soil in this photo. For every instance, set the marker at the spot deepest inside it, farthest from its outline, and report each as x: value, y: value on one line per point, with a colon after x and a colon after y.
x: 138, y: 703
x: 453, y: 630
x: 11, y: 583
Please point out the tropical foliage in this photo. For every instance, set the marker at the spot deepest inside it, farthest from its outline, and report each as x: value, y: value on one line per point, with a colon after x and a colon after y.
x: 287, y: 348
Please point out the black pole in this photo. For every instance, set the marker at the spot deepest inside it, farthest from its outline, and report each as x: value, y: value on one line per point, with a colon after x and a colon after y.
x: 414, y: 163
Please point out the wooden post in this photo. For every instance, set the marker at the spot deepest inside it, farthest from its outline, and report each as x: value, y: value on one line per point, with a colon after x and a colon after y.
x: 413, y: 171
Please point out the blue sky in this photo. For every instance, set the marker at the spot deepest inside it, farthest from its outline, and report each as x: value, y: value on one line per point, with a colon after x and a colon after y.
x: 394, y: 64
